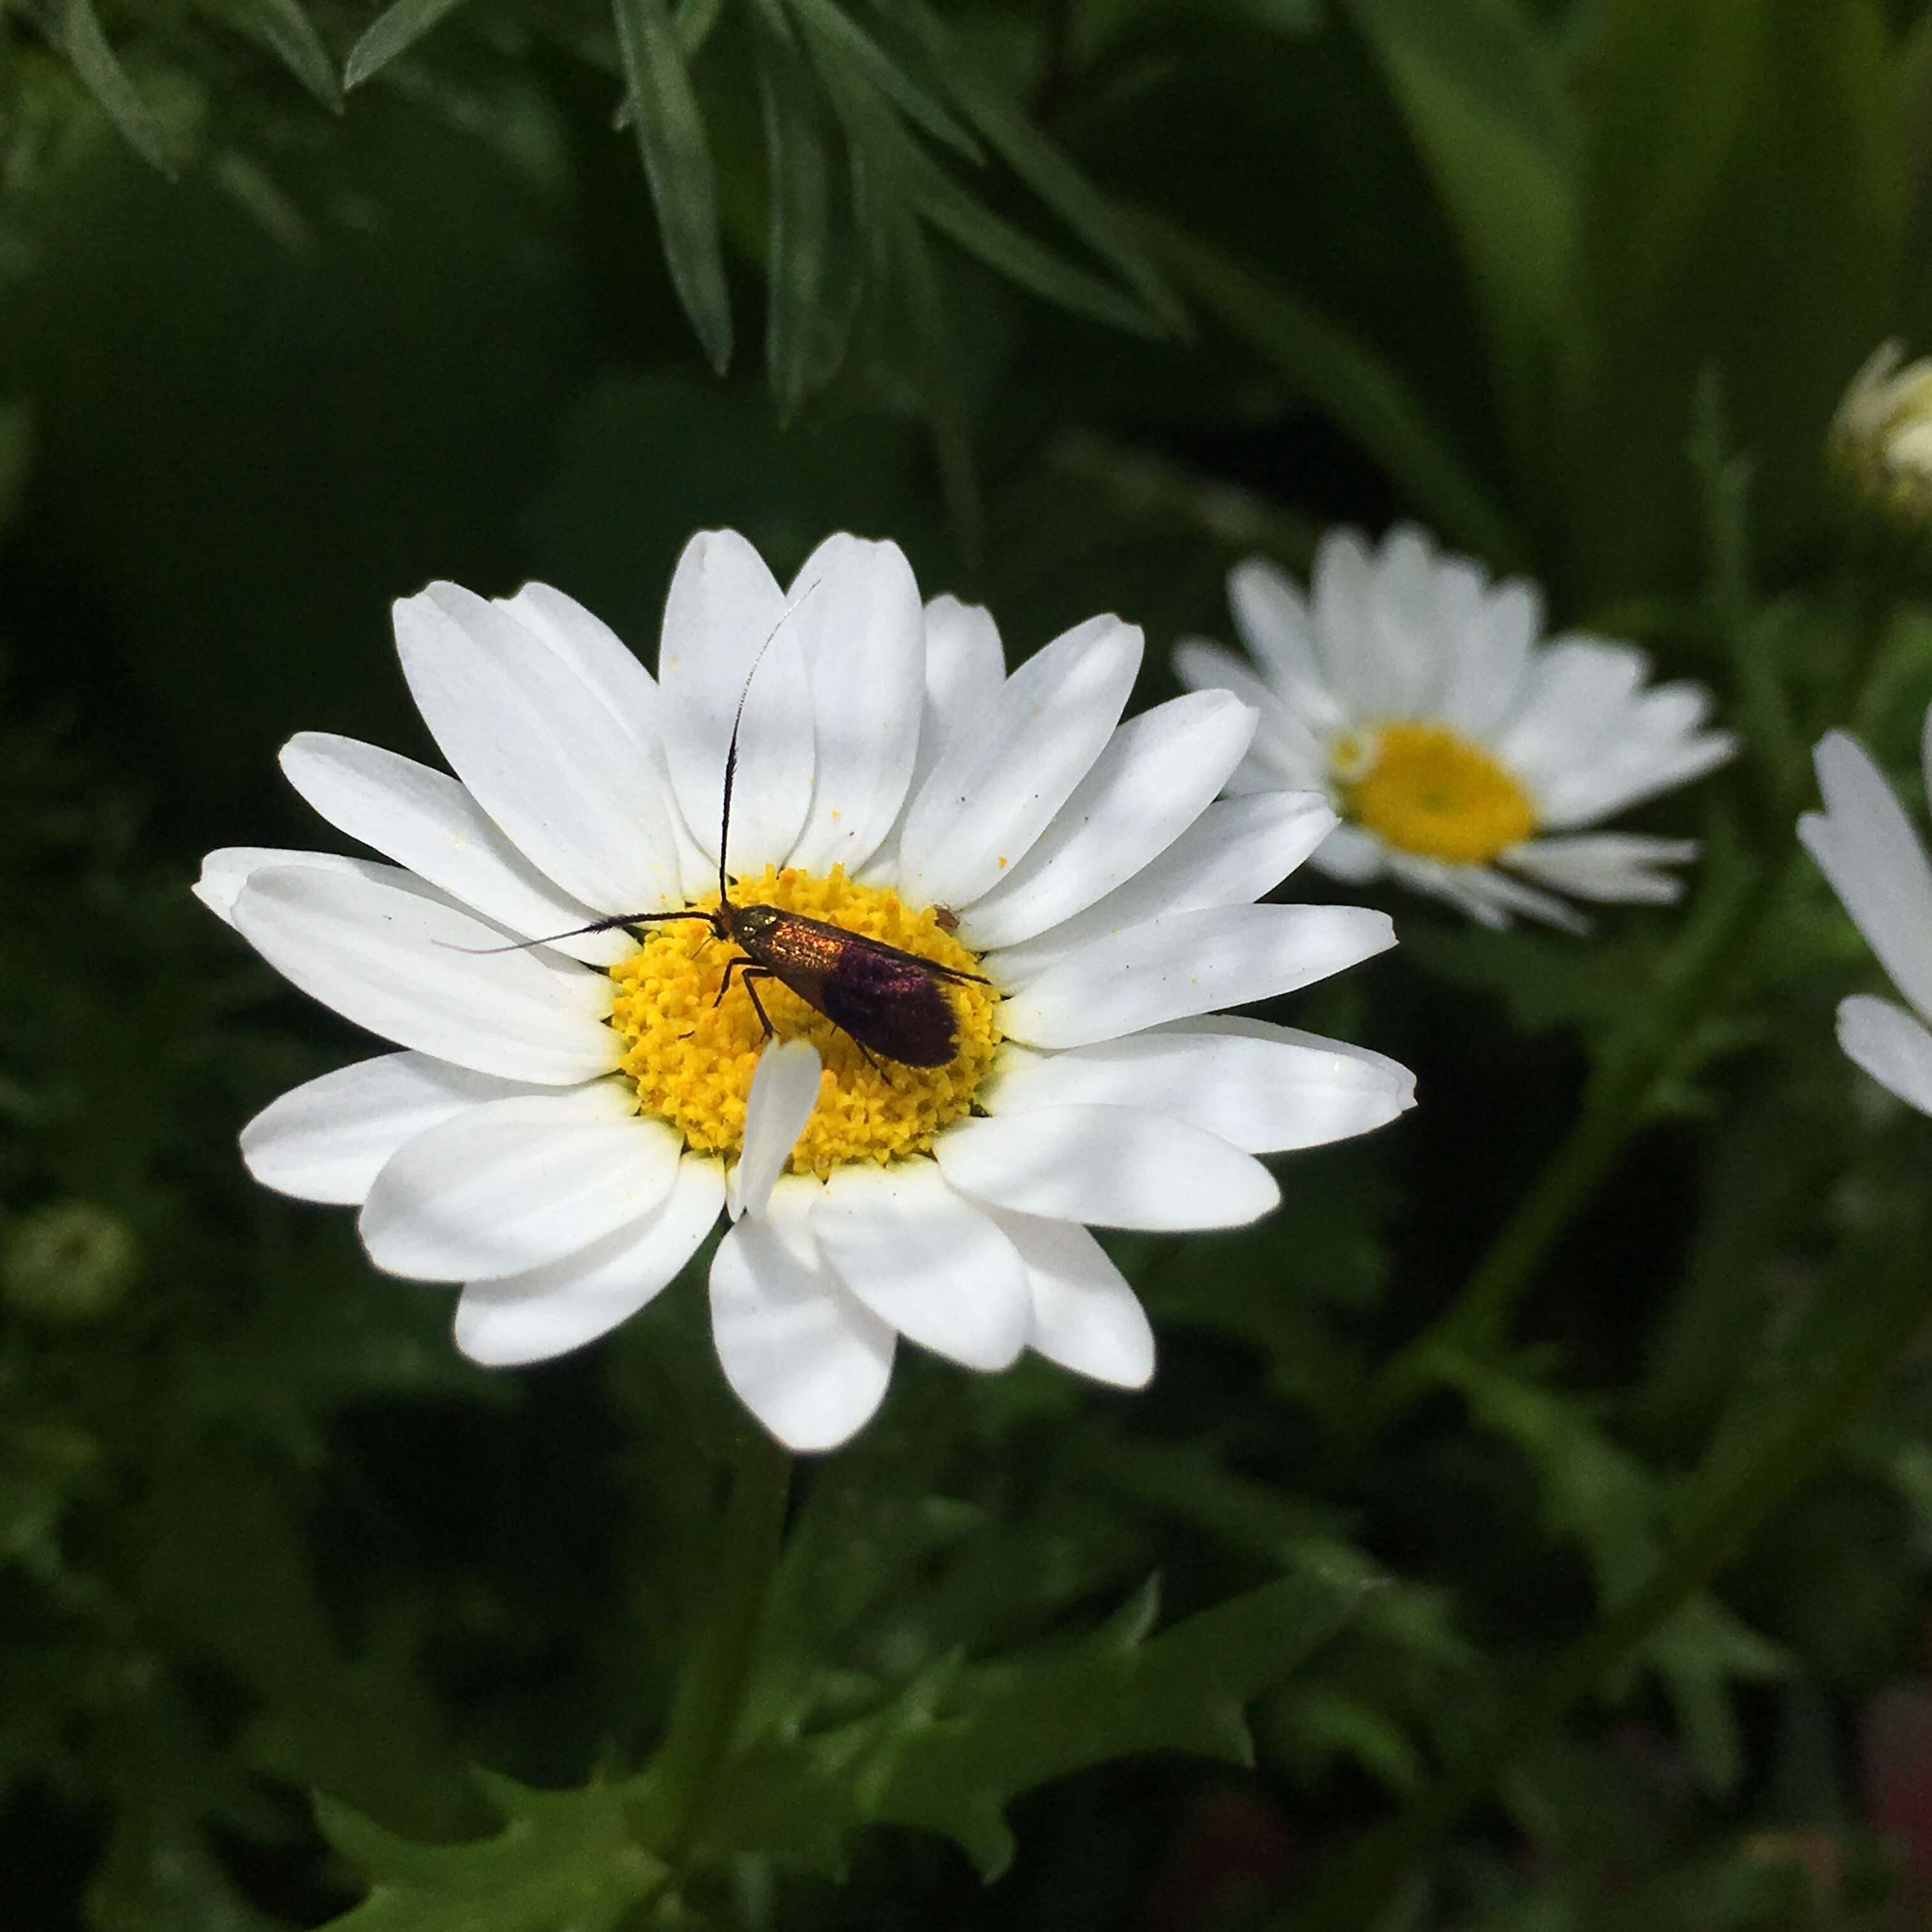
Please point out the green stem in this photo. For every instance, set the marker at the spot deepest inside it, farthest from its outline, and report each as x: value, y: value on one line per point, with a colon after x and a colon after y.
x: 1373, y: 1871
x: 705, y: 1713
x: 1713, y: 947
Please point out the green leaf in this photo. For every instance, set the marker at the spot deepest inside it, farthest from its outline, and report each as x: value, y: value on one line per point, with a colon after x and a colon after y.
x: 563, y: 1858
x: 1039, y: 163
x: 72, y: 27
x: 839, y: 31
x: 954, y: 1749
x: 1349, y: 381
x: 811, y: 270
x: 1743, y: 205
x: 284, y: 28
x: 393, y: 31
x: 1015, y: 255
x: 1480, y: 96
x: 677, y: 163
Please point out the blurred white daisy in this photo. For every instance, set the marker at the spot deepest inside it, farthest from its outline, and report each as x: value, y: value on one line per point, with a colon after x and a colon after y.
x: 1464, y: 756
x: 566, y: 1122
x: 1865, y: 845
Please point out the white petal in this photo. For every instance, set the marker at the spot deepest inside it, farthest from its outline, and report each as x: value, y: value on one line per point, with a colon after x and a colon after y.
x: 573, y: 789
x: 1265, y: 1089
x: 928, y: 1262
x: 1117, y: 1167
x: 784, y: 1089
x: 611, y: 672
x: 1179, y: 964
x: 993, y: 792
x: 809, y: 1361
x: 548, y: 1311
x: 224, y: 873
x: 1236, y: 851
x: 1272, y: 616
x: 1351, y: 855
x: 1085, y: 1316
x: 1631, y: 769
x: 1455, y: 884
x: 1509, y: 896
x: 1892, y: 1046
x: 723, y: 609
x: 1157, y: 776
x: 1287, y: 751
x: 407, y: 968
x: 426, y: 821
x: 1575, y: 703
x: 858, y: 623
x: 1865, y: 845
x: 965, y: 666
x: 516, y: 1183
x: 328, y: 1139
x: 1608, y: 866
x: 599, y: 657
x: 1342, y: 624
x: 1485, y: 674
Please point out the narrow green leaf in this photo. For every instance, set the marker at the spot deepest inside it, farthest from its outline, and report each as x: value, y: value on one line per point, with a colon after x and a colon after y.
x: 806, y: 318
x: 1743, y: 205
x: 72, y: 26
x: 1039, y: 163
x: 841, y: 32
x: 1349, y: 381
x: 1479, y: 92
x: 977, y: 229
x: 677, y: 163
x: 393, y: 31
x: 284, y: 28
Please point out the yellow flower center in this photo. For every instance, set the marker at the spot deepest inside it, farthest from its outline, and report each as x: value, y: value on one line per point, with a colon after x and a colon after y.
x: 692, y: 1055
x: 1424, y: 788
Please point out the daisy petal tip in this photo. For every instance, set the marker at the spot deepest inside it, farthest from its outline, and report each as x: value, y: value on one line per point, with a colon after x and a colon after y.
x: 217, y: 895
x: 487, y: 1343
x: 784, y: 1089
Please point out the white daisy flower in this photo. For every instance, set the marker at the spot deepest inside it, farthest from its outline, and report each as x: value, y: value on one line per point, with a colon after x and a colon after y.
x: 1464, y: 757
x: 1865, y: 846
x: 566, y: 1122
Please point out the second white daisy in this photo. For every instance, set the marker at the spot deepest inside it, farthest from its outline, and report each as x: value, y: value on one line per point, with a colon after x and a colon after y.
x: 1465, y: 756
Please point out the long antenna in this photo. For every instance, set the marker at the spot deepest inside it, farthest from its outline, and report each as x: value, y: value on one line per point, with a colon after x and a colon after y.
x: 737, y: 719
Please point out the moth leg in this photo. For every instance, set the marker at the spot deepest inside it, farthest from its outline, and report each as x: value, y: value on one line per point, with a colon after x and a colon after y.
x: 742, y: 962
x: 748, y: 979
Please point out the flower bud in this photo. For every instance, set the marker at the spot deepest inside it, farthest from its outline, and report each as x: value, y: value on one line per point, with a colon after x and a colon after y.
x: 1880, y: 439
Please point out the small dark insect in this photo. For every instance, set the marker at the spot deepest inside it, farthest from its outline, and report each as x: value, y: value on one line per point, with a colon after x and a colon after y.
x: 887, y: 1000
x: 946, y: 918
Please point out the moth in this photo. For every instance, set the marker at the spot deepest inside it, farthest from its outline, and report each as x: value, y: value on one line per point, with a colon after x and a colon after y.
x: 887, y: 1000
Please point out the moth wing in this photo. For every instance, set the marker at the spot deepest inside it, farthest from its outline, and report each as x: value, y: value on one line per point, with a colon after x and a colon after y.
x: 888, y: 1002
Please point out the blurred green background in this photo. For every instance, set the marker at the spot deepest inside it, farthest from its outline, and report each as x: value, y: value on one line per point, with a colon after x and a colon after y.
x: 1080, y: 302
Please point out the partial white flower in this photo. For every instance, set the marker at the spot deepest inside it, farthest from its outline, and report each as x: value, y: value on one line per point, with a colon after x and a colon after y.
x: 565, y: 1123
x: 1464, y: 756
x: 1865, y: 845
x: 1881, y: 435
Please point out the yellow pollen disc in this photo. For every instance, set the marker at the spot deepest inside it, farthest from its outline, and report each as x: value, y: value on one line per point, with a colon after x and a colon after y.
x: 693, y: 1059
x: 1425, y: 789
